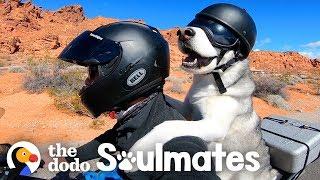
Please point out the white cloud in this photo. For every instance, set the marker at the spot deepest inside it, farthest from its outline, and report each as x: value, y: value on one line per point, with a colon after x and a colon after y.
x: 264, y: 42
x: 306, y: 53
x: 311, y: 54
x: 256, y: 50
x: 315, y: 44
x: 311, y: 50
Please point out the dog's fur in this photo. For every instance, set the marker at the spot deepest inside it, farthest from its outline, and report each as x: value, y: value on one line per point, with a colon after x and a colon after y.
x: 228, y: 118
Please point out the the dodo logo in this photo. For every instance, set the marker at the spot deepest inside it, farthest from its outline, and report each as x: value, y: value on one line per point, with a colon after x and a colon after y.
x: 23, y: 158
x: 136, y: 77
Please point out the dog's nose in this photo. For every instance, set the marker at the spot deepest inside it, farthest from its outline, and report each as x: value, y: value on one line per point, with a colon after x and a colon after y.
x: 185, y: 34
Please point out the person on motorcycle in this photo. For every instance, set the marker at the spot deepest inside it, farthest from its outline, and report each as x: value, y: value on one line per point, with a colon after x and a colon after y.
x: 127, y: 66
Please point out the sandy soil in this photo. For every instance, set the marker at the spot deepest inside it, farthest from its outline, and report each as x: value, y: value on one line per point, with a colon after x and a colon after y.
x: 34, y: 117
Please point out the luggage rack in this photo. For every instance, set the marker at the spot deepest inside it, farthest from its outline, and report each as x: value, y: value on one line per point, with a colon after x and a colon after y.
x: 297, y: 124
x: 301, y: 125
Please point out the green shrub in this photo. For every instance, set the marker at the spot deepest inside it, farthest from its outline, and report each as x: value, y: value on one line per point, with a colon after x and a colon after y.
x: 62, y: 80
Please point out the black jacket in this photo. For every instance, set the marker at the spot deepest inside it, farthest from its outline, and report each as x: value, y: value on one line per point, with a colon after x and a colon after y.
x: 139, y: 121
x: 135, y: 124
x: 132, y: 126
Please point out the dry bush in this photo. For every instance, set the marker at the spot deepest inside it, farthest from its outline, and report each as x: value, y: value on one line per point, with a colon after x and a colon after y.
x: 291, y: 79
x: 39, y: 77
x: 317, y: 87
x: 60, y: 79
x: 176, y: 88
x: 269, y: 85
x: 278, y: 101
x: 177, y: 84
x: 97, y: 123
x: 271, y: 89
x: 176, y: 68
x: 2, y: 64
x: 16, y: 69
x: 315, y: 81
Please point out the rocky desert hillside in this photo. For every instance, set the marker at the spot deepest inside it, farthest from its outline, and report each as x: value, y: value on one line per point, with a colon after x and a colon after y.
x: 29, y: 30
x: 33, y: 97
x: 287, y: 62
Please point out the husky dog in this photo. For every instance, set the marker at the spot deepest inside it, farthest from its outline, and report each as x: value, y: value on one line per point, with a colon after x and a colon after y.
x: 220, y: 107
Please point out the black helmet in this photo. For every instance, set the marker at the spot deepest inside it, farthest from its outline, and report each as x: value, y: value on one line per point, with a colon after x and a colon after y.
x: 235, y: 19
x: 126, y: 60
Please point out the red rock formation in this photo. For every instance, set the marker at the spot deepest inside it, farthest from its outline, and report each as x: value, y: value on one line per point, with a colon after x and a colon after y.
x: 31, y: 31
x: 72, y: 14
x: 287, y: 62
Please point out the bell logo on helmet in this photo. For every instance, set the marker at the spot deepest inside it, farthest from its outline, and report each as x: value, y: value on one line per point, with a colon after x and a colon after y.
x: 136, y: 77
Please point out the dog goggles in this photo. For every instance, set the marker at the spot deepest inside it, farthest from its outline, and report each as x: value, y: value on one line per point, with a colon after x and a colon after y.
x: 91, y: 49
x: 218, y: 34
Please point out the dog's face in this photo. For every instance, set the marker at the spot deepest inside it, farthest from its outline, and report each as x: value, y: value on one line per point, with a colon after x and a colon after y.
x: 202, y: 56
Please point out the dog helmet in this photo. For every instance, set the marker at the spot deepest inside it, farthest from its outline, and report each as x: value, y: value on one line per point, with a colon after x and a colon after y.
x: 235, y: 19
x: 126, y: 60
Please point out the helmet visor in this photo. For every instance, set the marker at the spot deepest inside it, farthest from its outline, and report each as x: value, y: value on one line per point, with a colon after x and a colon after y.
x: 91, y: 49
x: 217, y: 33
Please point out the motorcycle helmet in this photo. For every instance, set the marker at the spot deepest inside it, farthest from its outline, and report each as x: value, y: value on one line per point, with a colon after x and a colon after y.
x: 126, y: 60
x: 226, y: 25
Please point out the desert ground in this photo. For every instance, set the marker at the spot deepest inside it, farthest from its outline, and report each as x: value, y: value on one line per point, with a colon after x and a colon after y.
x: 29, y: 33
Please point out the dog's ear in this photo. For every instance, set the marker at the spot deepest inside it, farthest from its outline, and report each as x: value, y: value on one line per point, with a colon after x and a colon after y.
x: 2, y: 111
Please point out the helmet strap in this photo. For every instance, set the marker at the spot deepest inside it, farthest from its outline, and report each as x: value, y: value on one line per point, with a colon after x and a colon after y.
x: 222, y: 89
x: 238, y: 57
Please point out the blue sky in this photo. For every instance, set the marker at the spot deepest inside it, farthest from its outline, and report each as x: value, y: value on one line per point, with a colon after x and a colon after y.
x: 283, y: 25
